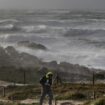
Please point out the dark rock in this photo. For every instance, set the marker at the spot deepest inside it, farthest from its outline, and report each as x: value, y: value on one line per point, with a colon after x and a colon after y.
x: 66, y: 71
x: 31, y: 45
x: 4, y: 58
x: 10, y: 57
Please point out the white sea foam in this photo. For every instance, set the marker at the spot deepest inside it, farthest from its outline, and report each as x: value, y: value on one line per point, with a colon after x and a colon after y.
x: 85, y: 46
x: 32, y: 28
x: 8, y: 26
x: 8, y: 20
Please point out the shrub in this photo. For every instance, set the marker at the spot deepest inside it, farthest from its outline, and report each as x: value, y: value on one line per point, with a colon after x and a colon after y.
x: 77, y: 96
x: 74, y: 96
x: 17, y: 96
x: 100, y: 102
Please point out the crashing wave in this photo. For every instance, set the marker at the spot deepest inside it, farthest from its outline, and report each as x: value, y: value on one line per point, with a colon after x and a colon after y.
x: 32, y: 28
x: 8, y: 27
x: 8, y: 20
x: 81, y: 32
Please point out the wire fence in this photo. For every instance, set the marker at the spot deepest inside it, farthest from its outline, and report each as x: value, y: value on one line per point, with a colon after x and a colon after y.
x: 24, y: 77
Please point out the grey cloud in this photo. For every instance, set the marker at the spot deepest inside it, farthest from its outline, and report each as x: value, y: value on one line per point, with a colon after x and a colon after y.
x: 53, y: 4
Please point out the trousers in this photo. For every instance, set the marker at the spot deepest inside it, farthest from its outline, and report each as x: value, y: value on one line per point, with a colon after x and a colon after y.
x: 46, y: 90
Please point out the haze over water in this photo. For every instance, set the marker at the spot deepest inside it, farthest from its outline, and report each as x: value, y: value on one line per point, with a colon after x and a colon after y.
x: 72, y: 36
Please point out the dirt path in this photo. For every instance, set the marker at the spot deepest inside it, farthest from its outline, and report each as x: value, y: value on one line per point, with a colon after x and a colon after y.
x: 70, y: 102
x: 63, y: 102
x: 5, y: 101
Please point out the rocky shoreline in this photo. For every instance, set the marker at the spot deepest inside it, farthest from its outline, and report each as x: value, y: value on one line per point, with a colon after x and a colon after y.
x: 9, y: 57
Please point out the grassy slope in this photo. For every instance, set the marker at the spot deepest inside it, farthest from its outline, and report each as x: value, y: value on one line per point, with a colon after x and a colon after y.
x: 69, y: 91
x: 12, y: 74
x: 61, y: 92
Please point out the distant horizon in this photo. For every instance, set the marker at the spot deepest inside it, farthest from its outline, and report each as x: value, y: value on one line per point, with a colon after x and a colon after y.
x: 48, y: 9
x: 53, y: 4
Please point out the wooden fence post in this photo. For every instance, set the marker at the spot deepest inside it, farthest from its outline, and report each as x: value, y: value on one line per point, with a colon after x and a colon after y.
x: 3, y: 91
x: 93, y: 85
x: 24, y: 76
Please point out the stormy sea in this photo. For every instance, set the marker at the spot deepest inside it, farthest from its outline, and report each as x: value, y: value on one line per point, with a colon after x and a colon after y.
x: 77, y: 37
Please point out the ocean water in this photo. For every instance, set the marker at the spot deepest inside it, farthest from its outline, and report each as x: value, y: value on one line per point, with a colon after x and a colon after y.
x: 77, y: 37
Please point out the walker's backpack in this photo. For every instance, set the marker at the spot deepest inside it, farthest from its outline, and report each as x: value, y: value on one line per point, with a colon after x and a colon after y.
x: 43, y: 80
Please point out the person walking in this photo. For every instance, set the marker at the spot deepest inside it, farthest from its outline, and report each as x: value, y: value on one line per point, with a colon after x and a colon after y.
x: 46, y: 82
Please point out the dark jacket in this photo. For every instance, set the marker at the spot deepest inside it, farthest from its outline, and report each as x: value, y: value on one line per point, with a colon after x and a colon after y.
x: 45, y: 81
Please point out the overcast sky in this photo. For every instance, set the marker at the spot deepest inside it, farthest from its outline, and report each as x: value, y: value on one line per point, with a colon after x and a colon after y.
x: 52, y: 4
